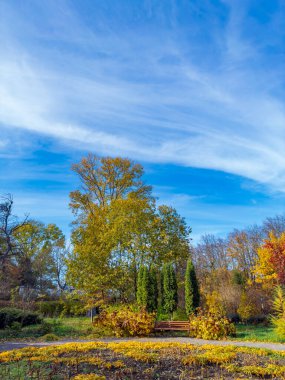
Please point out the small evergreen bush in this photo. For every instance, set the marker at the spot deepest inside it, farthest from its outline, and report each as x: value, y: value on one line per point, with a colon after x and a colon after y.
x: 49, y: 338
x: 45, y: 328
x: 16, y: 326
x: 50, y: 309
x: 30, y: 318
x: 10, y: 315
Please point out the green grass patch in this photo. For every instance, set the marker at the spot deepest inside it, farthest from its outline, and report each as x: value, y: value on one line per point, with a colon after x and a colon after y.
x: 25, y: 333
x: 257, y: 333
x: 71, y: 327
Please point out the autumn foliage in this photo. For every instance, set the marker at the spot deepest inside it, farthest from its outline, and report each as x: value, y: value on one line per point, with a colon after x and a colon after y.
x: 126, y: 321
x: 270, y: 265
x: 210, y: 326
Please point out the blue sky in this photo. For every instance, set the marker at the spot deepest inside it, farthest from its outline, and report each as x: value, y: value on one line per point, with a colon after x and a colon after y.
x: 194, y: 90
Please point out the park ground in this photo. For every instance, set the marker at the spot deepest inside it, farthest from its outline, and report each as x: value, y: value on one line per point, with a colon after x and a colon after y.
x: 81, y: 351
x: 146, y: 358
x: 81, y: 328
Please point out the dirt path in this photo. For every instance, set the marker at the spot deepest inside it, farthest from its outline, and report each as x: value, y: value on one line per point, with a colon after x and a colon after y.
x: 272, y: 346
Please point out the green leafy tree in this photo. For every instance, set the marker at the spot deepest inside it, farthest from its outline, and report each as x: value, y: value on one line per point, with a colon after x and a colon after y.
x: 192, y: 295
x: 38, y: 245
x: 113, y: 210
x: 170, y: 236
x: 31, y: 255
x: 118, y: 229
x: 170, y: 291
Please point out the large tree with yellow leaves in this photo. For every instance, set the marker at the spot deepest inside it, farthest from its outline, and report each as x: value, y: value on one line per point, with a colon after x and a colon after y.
x: 118, y: 228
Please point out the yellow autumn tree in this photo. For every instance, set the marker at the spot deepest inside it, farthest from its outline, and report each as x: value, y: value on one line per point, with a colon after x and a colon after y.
x: 119, y: 228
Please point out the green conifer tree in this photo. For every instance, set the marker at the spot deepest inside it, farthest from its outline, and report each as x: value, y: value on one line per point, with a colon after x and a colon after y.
x: 139, y: 286
x: 153, y: 296
x: 145, y: 288
x: 170, y: 291
x: 192, y: 295
x: 161, y: 299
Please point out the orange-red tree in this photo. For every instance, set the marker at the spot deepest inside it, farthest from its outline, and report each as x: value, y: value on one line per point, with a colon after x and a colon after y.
x: 270, y: 265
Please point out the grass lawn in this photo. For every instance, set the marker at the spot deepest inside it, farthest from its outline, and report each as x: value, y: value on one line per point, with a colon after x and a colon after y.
x: 257, y: 333
x: 136, y: 360
x: 71, y: 327
x: 79, y: 327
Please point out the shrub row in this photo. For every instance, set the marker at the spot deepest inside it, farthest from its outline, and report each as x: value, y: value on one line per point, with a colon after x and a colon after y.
x: 129, y: 321
x: 8, y: 316
x: 50, y: 309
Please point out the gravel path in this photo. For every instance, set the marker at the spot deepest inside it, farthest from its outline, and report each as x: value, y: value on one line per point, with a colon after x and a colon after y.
x: 272, y: 346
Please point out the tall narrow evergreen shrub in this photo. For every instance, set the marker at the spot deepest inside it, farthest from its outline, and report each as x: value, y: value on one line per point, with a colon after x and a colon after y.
x: 161, y: 294
x: 147, y: 290
x: 192, y: 295
x: 139, y: 286
x: 170, y: 291
x: 153, y: 287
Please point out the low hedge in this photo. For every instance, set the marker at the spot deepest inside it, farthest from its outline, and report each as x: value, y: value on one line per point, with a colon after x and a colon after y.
x: 10, y: 315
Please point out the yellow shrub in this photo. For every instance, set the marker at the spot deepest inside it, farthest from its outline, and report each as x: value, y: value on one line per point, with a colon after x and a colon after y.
x: 208, y: 326
x: 279, y: 326
x: 257, y: 370
x: 91, y: 376
x: 126, y: 322
x: 210, y: 357
x: 245, y: 309
x: 214, y: 304
x: 278, y: 320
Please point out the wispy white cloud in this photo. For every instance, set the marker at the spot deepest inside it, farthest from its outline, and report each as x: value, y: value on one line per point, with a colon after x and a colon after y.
x: 145, y: 95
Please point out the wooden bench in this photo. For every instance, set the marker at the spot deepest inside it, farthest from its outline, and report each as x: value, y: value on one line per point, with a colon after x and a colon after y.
x: 171, y: 326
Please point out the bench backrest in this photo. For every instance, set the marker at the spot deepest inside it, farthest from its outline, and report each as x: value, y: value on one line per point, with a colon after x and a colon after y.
x: 172, y: 324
